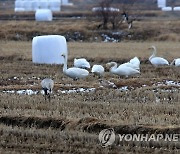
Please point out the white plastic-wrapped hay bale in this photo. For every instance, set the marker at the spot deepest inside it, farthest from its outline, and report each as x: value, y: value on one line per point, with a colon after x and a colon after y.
x: 28, y: 5
x: 167, y: 8
x: 19, y: 6
x: 43, y: 15
x: 161, y: 3
x: 48, y: 49
x: 177, y: 8
x: 43, y: 4
x: 55, y: 5
x: 19, y: 10
x: 64, y: 2
x: 35, y: 5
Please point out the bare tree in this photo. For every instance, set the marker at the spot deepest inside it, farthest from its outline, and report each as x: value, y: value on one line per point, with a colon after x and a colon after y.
x: 104, y: 12
x: 105, y: 4
x: 115, y: 18
x: 113, y: 15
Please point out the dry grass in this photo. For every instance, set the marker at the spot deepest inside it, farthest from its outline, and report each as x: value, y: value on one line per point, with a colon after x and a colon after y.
x: 29, y: 124
x: 13, y: 50
x: 85, y: 29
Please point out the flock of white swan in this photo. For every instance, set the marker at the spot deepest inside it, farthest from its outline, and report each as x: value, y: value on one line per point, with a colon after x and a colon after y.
x: 127, y: 69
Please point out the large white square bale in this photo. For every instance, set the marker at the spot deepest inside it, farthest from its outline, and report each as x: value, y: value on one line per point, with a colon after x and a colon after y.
x: 43, y: 15
x: 48, y: 49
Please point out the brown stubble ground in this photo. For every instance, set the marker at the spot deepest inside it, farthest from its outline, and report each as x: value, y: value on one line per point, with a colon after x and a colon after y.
x: 165, y: 29
x: 71, y: 122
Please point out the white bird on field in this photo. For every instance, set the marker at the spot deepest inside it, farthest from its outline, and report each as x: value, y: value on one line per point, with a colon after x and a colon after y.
x: 176, y: 62
x: 133, y: 63
x: 74, y: 72
x: 122, y: 70
x: 98, y: 70
x: 47, y: 85
x: 157, y: 61
x: 81, y: 63
x: 128, y: 64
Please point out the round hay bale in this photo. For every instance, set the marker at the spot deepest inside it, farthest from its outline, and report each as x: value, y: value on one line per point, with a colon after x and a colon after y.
x: 48, y: 49
x: 167, y: 8
x: 43, y: 15
x: 177, y: 8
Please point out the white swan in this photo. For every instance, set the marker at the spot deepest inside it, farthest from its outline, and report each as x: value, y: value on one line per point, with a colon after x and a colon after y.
x: 122, y: 70
x: 135, y: 61
x: 98, y: 70
x: 128, y: 64
x: 176, y: 62
x: 74, y: 72
x: 81, y: 63
x: 156, y: 61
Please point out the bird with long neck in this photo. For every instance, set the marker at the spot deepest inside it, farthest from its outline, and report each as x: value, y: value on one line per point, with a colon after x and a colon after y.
x: 65, y: 63
x: 173, y: 62
x: 122, y: 70
x: 176, y: 62
x: 154, y: 52
x: 73, y: 72
x: 113, y: 67
x: 156, y: 61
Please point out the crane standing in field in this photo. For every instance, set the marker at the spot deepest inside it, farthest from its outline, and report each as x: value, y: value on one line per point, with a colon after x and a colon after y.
x: 127, y: 20
x: 47, y: 85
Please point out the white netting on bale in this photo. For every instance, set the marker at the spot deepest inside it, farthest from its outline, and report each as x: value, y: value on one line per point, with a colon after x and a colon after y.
x: 43, y: 15
x: 48, y: 49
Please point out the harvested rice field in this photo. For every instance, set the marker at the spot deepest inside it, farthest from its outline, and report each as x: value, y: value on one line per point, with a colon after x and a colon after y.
x: 79, y: 110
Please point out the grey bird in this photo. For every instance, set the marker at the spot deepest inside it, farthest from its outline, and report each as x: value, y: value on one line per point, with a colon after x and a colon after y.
x: 47, y: 85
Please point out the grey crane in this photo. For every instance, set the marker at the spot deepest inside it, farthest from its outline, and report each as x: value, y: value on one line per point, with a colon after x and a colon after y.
x: 47, y: 85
